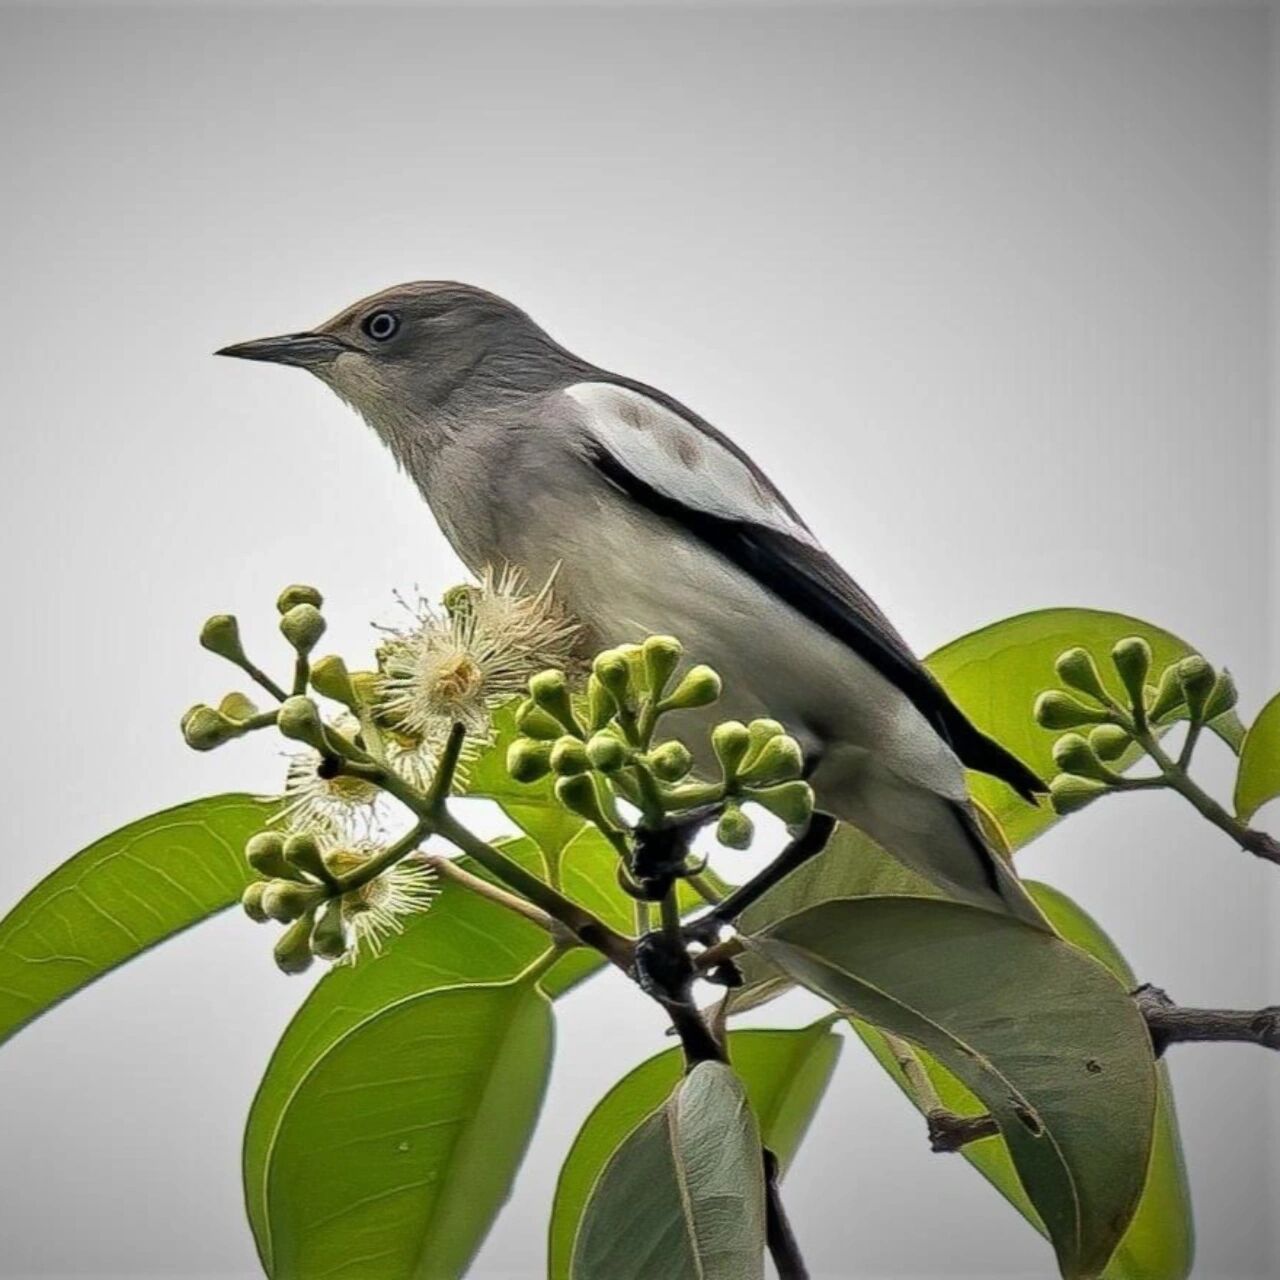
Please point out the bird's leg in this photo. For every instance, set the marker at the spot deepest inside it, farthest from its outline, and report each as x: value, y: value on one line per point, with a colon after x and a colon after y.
x: 810, y: 842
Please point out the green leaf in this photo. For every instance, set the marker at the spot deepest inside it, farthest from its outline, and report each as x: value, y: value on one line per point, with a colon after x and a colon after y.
x: 463, y: 939
x: 1047, y: 1039
x: 1258, y: 779
x: 402, y: 1142
x: 683, y: 1196
x: 1160, y: 1241
x: 785, y: 1074
x: 122, y: 895
x: 994, y: 675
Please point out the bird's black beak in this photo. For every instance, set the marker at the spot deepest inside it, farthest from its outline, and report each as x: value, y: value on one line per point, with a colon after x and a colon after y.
x: 307, y: 350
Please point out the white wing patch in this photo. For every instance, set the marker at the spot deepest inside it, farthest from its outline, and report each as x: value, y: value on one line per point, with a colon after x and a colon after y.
x: 677, y: 459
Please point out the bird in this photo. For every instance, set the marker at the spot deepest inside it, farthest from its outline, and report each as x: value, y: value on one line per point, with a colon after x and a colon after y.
x: 653, y: 521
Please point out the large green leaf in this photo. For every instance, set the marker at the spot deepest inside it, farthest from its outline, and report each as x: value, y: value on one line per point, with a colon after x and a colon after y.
x: 1258, y: 779
x: 123, y: 894
x: 1047, y: 1039
x: 683, y: 1196
x: 995, y: 674
x: 1160, y: 1241
x: 785, y: 1074
x: 403, y: 1140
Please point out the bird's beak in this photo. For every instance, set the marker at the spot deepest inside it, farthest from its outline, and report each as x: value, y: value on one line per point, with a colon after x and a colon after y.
x: 307, y: 350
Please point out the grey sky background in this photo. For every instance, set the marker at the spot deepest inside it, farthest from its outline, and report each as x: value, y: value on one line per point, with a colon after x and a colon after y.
x: 984, y: 288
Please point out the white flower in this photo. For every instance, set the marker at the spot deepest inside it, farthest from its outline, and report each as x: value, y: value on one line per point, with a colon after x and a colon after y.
x: 376, y: 910
x: 314, y: 802
x: 461, y: 665
x: 416, y: 761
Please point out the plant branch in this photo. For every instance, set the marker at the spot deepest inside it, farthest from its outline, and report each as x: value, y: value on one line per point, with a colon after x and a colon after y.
x: 783, y: 1246
x: 450, y: 870
x: 1170, y: 1023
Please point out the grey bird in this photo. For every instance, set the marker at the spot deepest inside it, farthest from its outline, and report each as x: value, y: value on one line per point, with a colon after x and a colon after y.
x: 655, y: 522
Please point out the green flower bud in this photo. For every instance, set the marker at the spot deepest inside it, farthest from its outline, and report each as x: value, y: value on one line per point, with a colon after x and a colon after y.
x: 1197, y: 679
x: 528, y: 760
x: 265, y: 854
x: 286, y: 900
x: 578, y: 794
x: 1077, y: 670
x: 606, y: 753
x: 331, y: 679
x: 759, y: 732
x: 293, y: 951
x: 730, y: 741
x: 614, y: 673
x: 533, y: 722
x: 237, y: 707
x: 302, y: 627
x: 251, y: 901
x: 1067, y: 793
x: 459, y: 601
x: 328, y: 937
x: 790, y: 801
x: 221, y: 635
x: 203, y: 728
x: 550, y: 691
x: 1132, y: 660
x: 1109, y: 741
x: 298, y: 719
x: 1058, y: 710
x: 302, y: 852
x: 778, y: 760
x: 600, y: 704
x: 700, y: 687
x: 1167, y: 697
x: 671, y: 761
x: 569, y: 757
x: 661, y: 656
x: 735, y: 830
x: 1223, y: 697
x: 296, y: 595
x: 1072, y: 753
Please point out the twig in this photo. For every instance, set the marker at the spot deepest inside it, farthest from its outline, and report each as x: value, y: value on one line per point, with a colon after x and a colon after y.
x: 1169, y: 1023
x: 450, y: 870
x: 948, y: 1130
x: 783, y: 1246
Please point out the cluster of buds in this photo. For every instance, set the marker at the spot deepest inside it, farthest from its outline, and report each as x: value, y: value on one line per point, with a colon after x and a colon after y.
x: 1106, y: 732
x: 601, y: 746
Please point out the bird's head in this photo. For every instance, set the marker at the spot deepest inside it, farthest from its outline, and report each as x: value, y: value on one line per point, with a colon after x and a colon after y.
x: 418, y: 352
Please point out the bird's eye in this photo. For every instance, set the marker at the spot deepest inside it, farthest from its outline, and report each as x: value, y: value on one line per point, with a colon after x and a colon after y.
x: 381, y: 325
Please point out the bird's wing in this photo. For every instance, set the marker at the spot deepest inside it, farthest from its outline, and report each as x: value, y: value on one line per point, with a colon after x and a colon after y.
x: 670, y: 461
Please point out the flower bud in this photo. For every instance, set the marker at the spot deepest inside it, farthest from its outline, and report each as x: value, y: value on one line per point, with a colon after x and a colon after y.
x: 296, y: 595
x: 1223, y: 697
x: 302, y: 853
x: 265, y: 854
x: 528, y: 760
x: 1197, y: 679
x: 203, y: 728
x: 237, y: 707
x: 1077, y: 670
x: 1067, y: 793
x: 1072, y: 753
x: 730, y: 741
x: 221, y: 635
x: 671, y: 761
x: 661, y: 656
x: 735, y: 830
x: 762, y: 731
x: 293, y: 950
x: 578, y: 794
x: 302, y: 627
x: 790, y: 801
x: 298, y: 719
x: 569, y: 757
x: 1109, y: 741
x: 614, y: 673
x: 600, y: 704
x: 460, y: 601
x: 328, y: 937
x: 1058, y: 710
x: 1167, y: 697
x: 700, y: 687
x: 779, y: 759
x: 1132, y: 660
x: 331, y: 679
x: 606, y: 753
x: 286, y: 900
x: 550, y: 691
x: 251, y: 901
x: 533, y: 722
